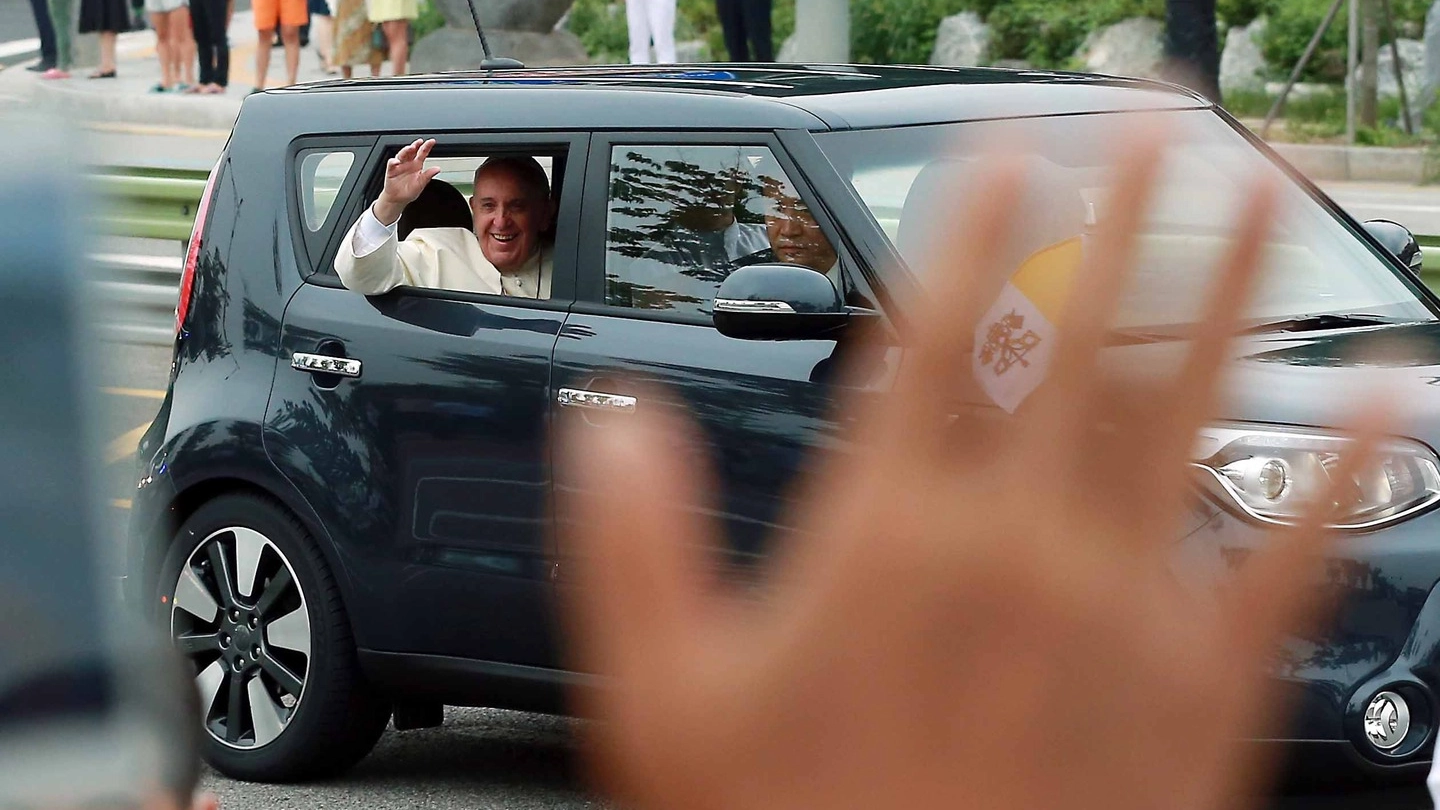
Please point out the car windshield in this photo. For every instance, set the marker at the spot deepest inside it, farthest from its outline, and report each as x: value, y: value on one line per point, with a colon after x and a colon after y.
x: 914, y: 179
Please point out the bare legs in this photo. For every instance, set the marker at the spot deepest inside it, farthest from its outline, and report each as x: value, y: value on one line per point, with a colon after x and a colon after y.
x: 290, y: 37
x: 397, y: 34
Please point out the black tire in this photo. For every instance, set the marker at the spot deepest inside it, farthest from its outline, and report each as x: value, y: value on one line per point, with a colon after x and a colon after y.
x: 334, y: 717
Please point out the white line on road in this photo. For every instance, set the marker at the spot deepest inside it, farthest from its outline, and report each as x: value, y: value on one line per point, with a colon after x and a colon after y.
x: 18, y: 46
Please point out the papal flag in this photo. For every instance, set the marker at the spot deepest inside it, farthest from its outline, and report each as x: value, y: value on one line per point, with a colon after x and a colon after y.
x: 1015, y: 340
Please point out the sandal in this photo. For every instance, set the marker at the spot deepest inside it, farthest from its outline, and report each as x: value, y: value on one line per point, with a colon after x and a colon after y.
x: 103, y: 74
x: 159, y: 88
x: 213, y: 90
x: 183, y: 88
x: 55, y: 73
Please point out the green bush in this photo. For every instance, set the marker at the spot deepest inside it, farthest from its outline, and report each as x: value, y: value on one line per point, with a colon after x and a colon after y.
x: 429, y: 20
x: 601, y: 27
x: 1292, y: 23
x: 1047, y: 34
x: 898, y: 32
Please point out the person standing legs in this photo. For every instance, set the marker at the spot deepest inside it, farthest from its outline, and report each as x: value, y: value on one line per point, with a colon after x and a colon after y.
x: 207, y: 19
x: 41, y: 10
x: 62, y: 17
x: 732, y: 25
x: 160, y: 24
x: 182, y: 38
x: 662, y: 29
x: 758, y: 29
x: 637, y: 17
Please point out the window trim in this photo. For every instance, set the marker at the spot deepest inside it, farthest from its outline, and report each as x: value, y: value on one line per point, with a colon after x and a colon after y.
x: 309, y: 244
x: 575, y: 146
x: 594, y: 227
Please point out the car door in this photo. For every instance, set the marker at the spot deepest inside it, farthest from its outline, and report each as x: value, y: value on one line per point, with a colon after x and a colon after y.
x: 429, y: 468
x: 666, y: 219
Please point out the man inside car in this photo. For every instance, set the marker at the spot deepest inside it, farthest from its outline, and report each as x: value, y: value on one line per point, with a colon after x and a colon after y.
x: 503, y: 253
x: 795, y: 235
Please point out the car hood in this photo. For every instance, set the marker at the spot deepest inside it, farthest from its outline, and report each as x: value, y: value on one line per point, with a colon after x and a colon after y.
x: 1319, y: 379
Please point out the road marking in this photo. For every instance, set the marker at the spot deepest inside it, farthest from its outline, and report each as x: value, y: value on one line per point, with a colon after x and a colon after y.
x: 151, y: 129
x: 19, y: 46
x: 1388, y: 206
x: 142, y: 393
x: 124, y: 445
x: 120, y: 503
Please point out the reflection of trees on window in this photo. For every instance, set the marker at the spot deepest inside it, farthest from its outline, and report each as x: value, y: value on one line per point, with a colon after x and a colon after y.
x: 672, y: 214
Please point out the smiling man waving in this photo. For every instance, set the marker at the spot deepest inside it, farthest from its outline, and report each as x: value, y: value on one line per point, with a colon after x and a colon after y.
x: 502, y: 254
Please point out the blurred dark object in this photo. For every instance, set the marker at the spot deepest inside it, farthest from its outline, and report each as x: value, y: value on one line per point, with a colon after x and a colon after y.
x: 1397, y: 239
x: 41, y: 10
x: 747, y: 29
x: 1192, y: 46
x: 440, y: 205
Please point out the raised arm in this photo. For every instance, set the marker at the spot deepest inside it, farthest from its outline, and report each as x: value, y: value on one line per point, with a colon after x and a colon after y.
x: 368, y: 261
x: 405, y: 177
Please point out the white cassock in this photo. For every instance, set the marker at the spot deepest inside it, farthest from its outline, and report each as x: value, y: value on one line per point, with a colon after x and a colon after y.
x: 373, y: 261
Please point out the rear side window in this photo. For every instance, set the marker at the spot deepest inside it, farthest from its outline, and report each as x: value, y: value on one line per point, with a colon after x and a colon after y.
x: 322, y: 175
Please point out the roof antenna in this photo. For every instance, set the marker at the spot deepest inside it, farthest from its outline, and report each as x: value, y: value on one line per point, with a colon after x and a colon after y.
x: 490, y: 62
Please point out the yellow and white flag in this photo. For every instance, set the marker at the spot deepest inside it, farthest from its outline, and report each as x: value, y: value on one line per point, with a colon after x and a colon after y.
x: 1015, y: 340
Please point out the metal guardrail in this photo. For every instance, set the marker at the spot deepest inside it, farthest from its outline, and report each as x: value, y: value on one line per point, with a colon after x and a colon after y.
x: 150, y: 203
x: 135, y: 296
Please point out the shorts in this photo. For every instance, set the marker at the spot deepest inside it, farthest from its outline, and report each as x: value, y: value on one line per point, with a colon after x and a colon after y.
x: 164, y: 6
x: 270, y: 13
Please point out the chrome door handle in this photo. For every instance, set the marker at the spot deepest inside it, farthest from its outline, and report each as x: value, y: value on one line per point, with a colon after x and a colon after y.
x: 325, y: 364
x: 594, y: 400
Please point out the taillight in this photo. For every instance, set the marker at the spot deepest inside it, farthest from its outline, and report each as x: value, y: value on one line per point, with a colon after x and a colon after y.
x: 192, y: 254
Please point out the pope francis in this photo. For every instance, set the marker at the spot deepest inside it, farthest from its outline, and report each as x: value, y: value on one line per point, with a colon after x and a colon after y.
x: 502, y: 254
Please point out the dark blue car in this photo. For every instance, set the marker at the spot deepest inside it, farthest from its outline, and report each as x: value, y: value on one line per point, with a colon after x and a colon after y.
x: 345, y: 508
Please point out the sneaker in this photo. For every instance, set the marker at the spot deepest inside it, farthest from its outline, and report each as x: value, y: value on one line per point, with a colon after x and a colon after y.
x: 41, y: 67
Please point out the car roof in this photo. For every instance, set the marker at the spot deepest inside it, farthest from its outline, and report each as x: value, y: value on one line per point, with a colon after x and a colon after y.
x: 722, y: 96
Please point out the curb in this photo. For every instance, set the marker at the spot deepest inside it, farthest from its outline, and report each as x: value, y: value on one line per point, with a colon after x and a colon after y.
x: 196, y: 113
x: 1356, y: 163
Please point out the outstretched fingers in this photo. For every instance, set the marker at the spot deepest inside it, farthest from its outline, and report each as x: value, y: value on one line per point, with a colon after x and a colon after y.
x: 1194, y: 396
x: 1075, y: 395
x: 636, y: 540
x: 962, y: 274
x: 1275, y: 592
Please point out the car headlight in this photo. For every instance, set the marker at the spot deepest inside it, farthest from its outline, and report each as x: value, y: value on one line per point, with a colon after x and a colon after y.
x: 1269, y: 473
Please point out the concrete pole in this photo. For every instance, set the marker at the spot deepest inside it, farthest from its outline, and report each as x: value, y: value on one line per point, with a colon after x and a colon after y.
x: 1352, y: 58
x: 822, y: 30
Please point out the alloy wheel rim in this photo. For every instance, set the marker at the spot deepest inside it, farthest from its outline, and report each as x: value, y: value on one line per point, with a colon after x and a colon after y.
x: 239, y: 614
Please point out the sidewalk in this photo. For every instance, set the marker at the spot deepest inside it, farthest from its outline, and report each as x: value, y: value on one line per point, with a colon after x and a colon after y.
x: 127, y: 97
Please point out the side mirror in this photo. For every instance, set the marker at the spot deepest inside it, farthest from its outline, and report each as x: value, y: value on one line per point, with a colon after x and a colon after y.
x: 1397, y: 239
x: 778, y: 302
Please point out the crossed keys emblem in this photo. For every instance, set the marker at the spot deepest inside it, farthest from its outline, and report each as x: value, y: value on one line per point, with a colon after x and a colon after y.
x: 1005, y: 343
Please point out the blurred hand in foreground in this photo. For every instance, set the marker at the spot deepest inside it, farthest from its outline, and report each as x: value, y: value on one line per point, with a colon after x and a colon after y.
x: 983, y: 615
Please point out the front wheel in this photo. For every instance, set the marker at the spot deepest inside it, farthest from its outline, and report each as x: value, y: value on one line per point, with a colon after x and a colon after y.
x: 248, y: 598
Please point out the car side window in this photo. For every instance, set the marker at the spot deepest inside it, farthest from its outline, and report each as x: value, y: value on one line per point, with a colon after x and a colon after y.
x: 322, y: 175
x: 682, y: 218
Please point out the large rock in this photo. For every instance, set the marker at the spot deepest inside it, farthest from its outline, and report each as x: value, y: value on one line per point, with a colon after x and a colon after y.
x: 457, y: 49
x: 1242, y: 63
x: 1133, y: 47
x: 507, y: 15
x: 1412, y: 65
x: 962, y: 41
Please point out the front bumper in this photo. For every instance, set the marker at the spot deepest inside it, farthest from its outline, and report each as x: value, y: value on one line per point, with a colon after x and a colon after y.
x: 1383, y: 636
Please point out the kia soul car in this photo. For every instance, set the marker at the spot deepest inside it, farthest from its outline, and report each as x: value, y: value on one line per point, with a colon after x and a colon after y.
x: 345, y: 511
